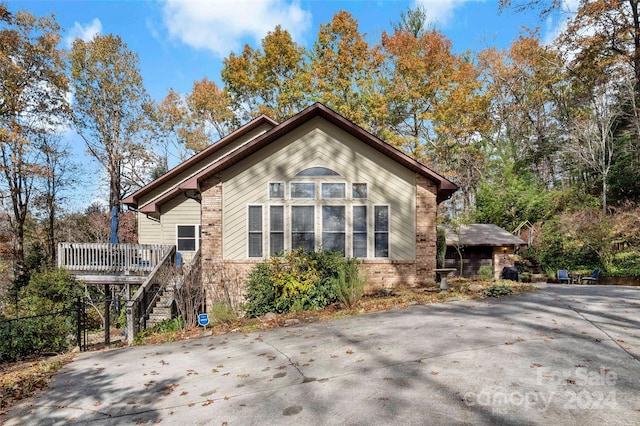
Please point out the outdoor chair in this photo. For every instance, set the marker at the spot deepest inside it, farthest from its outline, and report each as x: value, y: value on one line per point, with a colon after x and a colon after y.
x: 563, y: 276
x: 593, y: 278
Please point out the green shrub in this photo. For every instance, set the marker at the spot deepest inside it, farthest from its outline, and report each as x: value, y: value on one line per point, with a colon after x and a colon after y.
x: 35, y: 336
x: 348, y: 284
x: 497, y: 291
x: 486, y: 273
x: 49, y: 297
x: 294, y: 282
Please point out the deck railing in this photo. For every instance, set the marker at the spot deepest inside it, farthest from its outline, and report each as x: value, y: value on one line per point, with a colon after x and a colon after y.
x: 112, y: 258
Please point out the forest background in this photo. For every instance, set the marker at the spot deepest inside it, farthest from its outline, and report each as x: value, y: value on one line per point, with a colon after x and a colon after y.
x: 541, y: 134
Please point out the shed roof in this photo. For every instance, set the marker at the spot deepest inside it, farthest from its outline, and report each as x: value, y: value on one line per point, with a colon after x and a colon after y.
x: 480, y: 234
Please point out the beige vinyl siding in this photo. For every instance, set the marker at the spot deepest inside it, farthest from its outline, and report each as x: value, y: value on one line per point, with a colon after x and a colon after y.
x: 319, y: 143
x: 179, y: 211
x: 149, y: 231
x: 203, y: 163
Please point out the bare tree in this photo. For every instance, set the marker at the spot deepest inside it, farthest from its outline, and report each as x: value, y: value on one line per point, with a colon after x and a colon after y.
x: 593, y: 131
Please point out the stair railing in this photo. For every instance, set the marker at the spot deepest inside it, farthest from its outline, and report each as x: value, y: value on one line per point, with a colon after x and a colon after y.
x: 143, y: 301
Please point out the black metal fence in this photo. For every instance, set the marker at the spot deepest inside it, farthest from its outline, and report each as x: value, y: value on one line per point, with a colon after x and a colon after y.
x: 57, y: 332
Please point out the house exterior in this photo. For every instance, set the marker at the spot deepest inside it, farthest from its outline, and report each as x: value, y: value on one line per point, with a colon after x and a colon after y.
x: 480, y: 245
x: 314, y: 181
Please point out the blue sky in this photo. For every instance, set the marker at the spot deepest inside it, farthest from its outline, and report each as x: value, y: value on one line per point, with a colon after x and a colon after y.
x: 182, y: 41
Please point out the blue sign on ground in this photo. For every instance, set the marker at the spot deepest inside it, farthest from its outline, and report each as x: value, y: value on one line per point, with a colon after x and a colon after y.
x: 203, y: 319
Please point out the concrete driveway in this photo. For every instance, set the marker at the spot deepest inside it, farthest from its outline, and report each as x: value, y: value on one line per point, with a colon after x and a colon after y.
x: 561, y: 355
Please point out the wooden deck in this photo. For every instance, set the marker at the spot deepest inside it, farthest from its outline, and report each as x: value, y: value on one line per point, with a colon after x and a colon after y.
x: 98, y: 263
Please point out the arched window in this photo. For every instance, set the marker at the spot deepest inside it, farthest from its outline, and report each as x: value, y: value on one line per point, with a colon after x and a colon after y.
x: 317, y: 171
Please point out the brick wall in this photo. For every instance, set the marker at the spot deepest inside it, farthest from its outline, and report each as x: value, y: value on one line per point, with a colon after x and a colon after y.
x: 426, y: 212
x: 211, y: 222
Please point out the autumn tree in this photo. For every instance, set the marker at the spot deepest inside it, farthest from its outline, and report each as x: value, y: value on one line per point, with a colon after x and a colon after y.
x: 347, y: 74
x: 32, y: 103
x: 110, y: 111
x: 272, y: 80
x: 527, y: 86
x: 436, y: 105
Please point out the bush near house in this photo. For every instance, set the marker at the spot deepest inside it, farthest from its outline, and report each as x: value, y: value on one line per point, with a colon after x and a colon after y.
x: 300, y: 281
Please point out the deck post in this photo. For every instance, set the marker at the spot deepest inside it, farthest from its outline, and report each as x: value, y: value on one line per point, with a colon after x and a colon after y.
x: 107, y: 316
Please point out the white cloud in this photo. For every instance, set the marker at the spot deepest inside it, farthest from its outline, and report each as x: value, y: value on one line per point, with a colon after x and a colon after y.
x: 220, y: 26
x: 441, y: 11
x: 84, y: 32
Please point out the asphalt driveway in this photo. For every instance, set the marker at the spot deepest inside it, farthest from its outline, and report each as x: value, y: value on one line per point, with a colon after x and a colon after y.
x: 561, y: 355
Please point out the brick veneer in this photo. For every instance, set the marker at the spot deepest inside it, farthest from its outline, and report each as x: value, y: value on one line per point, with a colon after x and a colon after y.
x: 426, y: 213
x: 379, y: 273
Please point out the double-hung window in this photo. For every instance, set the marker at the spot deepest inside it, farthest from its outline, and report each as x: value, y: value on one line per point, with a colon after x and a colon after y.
x: 359, y: 231
x: 333, y: 228
x: 188, y: 237
x: 276, y: 230
x: 303, y: 228
x: 255, y: 231
x: 381, y: 231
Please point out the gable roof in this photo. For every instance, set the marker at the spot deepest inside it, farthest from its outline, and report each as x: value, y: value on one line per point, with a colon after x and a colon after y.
x: 445, y: 188
x: 480, y: 234
x: 193, y: 160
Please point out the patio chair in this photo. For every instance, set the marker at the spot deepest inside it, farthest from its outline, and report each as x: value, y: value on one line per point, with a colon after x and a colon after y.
x: 593, y: 278
x: 563, y: 276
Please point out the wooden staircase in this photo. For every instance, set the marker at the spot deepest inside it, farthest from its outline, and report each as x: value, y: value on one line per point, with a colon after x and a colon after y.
x: 163, y: 309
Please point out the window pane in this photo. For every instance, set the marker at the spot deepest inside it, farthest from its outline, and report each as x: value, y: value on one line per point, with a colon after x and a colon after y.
x: 317, y: 171
x: 302, y: 218
x: 333, y: 190
x: 276, y: 218
x: 186, y: 231
x: 188, y: 244
x: 255, y: 245
x: 276, y: 243
x: 255, y: 218
x: 359, y: 219
x: 359, y: 190
x: 333, y: 218
x: 381, y: 218
x: 382, y: 245
x: 304, y: 240
x: 333, y: 241
x: 359, y: 245
x: 276, y: 190
x: 303, y: 190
